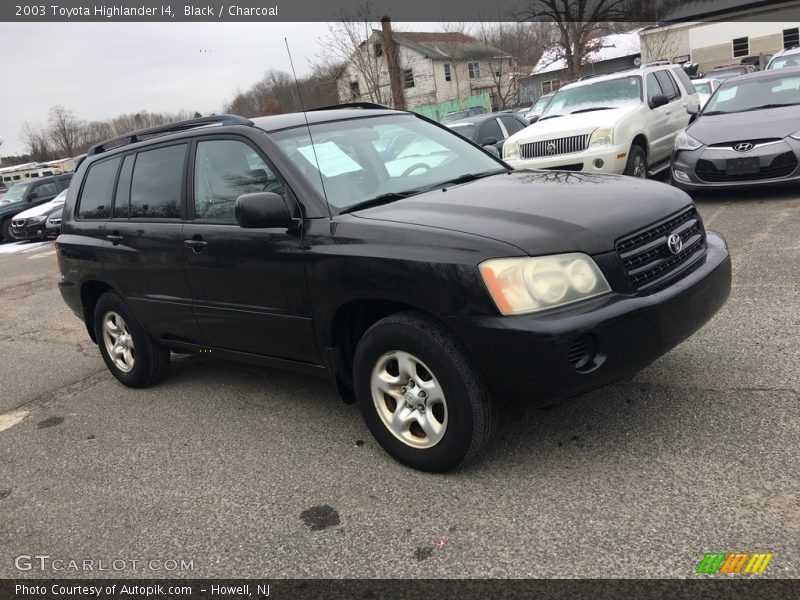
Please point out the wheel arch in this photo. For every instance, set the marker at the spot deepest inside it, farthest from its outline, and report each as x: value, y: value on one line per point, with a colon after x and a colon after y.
x: 91, y: 291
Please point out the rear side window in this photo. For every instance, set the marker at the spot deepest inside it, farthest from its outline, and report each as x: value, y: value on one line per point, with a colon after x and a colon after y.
x: 511, y: 124
x: 668, y: 84
x: 123, y: 194
x: 95, y: 200
x: 46, y: 189
x: 156, y: 183
x: 685, y: 81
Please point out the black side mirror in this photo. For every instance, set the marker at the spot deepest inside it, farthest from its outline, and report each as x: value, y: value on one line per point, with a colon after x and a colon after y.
x: 533, y: 119
x: 33, y: 195
x: 263, y: 210
x: 658, y: 100
x: 490, y: 141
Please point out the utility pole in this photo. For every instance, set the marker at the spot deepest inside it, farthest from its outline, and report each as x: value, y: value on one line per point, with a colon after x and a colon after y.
x: 393, y: 62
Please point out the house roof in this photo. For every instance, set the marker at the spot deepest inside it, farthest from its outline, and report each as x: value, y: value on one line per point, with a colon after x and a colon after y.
x: 615, y: 45
x: 445, y: 45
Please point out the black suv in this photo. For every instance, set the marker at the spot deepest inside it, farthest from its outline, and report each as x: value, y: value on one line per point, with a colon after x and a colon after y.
x: 431, y: 284
x: 27, y: 194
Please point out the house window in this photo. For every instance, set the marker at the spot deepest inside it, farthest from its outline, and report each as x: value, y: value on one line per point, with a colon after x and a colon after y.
x: 550, y: 86
x: 378, y: 48
x: 741, y: 47
x: 474, y: 69
x: 448, y: 76
x: 790, y: 38
x: 498, y: 68
x: 354, y: 89
x: 408, y: 78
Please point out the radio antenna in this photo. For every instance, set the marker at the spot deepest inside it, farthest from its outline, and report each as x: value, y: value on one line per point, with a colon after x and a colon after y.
x: 308, y: 127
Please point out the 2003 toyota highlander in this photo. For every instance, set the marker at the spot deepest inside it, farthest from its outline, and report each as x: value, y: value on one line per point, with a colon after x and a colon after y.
x: 429, y: 280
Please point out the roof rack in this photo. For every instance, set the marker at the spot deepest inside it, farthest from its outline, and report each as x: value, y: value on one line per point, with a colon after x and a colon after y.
x: 133, y: 137
x: 656, y: 63
x: 364, y: 105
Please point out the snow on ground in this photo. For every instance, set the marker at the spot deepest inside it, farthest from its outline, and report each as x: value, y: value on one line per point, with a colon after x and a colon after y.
x: 19, y: 247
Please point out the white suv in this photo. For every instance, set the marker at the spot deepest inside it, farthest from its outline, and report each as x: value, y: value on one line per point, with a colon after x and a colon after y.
x: 790, y: 57
x: 625, y: 122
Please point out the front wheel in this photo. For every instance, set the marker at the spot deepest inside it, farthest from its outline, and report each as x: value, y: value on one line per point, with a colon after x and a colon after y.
x: 132, y: 356
x: 420, y: 397
x: 5, y: 231
x: 637, y: 162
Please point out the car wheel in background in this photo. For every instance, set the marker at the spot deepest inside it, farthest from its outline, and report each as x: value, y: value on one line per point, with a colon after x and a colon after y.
x: 132, y: 356
x: 419, y: 395
x: 637, y: 162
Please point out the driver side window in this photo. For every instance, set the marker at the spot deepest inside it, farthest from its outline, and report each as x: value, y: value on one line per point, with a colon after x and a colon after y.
x: 653, y: 87
x: 223, y: 171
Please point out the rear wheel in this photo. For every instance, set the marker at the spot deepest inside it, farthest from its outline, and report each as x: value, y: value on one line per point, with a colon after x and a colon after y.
x: 637, y: 162
x: 132, y: 356
x: 420, y: 397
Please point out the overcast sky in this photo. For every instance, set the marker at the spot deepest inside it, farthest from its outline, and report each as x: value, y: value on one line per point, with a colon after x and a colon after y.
x: 100, y: 70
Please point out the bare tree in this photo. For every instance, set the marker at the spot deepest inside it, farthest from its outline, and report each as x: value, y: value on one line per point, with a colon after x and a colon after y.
x: 348, y: 43
x: 38, y: 142
x: 658, y: 44
x: 64, y: 129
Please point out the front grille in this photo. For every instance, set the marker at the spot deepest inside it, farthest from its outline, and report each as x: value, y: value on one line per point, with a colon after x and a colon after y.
x: 781, y: 166
x: 758, y: 142
x: 18, y: 223
x: 555, y: 147
x: 650, y: 263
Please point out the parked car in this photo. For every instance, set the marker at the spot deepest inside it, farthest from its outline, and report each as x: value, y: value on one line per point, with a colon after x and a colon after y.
x: 705, y: 87
x: 625, y: 122
x: 457, y: 115
x: 785, y: 58
x: 538, y: 108
x: 489, y: 131
x: 429, y: 291
x: 31, y: 224
x: 747, y: 135
x: 28, y: 194
x: 728, y: 71
x: 521, y: 112
x: 53, y: 224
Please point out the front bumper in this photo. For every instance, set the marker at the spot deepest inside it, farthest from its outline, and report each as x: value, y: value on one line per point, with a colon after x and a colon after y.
x: 525, y: 359
x: 614, y: 159
x: 706, y: 167
x: 36, y: 231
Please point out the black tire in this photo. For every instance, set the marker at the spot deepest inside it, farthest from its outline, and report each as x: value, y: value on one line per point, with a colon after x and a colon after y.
x: 471, y: 416
x: 150, y: 360
x: 5, y: 231
x: 636, y: 154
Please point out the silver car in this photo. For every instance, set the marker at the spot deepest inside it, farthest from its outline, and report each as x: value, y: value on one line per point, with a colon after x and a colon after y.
x: 748, y: 134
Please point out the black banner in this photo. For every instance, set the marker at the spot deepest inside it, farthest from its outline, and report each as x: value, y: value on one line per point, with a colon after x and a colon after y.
x: 407, y: 10
x: 395, y: 589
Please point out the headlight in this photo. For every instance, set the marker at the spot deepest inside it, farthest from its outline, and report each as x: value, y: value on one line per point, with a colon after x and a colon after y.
x: 683, y: 141
x: 510, y: 150
x: 38, y: 219
x: 602, y: 137
x: 530, y: 284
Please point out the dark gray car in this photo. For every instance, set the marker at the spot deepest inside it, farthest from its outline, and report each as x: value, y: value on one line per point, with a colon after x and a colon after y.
x: 747, y: 134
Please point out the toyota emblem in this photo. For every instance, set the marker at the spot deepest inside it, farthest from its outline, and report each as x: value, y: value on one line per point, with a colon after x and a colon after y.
x: 743, y: 147
x: 675, y: 243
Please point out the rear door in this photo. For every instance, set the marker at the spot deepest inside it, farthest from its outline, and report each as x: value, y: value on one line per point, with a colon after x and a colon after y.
x: 247, y: 284
x: 678, y: 117
x: 144, y: 245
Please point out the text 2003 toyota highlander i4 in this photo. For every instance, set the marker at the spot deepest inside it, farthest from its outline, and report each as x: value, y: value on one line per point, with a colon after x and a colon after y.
x: 431, y: 283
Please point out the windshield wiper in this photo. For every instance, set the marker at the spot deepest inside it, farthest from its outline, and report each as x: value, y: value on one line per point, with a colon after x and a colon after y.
x: 380, y: 200
x: 716, y: 112
x: 769, y: 106
x: 466, y: 178
x: 583, y: 110
x: 550, y: 117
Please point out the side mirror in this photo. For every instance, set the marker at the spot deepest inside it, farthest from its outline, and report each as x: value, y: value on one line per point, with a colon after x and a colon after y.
x: 533, y: 119
x: 658, y: 100
x: 33, y: 195
x: 693, y: 109
x: 490, y: 141
x: 263, y: 210
x: 492, y: 150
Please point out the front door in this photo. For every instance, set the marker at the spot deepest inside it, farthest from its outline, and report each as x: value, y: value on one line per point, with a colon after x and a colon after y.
x: 248, y: 285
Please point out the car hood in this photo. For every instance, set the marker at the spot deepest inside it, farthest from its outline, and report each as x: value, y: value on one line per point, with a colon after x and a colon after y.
x: 580, y: 123
x: 752, y: 125
x: 541, y: 212
x: 42, y: 209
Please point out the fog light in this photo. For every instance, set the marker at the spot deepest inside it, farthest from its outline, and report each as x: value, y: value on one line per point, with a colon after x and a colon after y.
x: 681, y: 175
x: 598, y: 163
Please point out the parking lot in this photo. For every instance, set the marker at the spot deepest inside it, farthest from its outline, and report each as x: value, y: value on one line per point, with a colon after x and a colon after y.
x: 252, y: 472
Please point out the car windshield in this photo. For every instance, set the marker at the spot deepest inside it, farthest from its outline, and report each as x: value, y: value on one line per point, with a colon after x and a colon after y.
x: 16, y: 192
x: 754, y: 94
x: 347, y: 156
x: 793, y: 60
x: 466, y: 129
x: 611, y: 93
x: 702, y: 88
x: 540, y: 105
